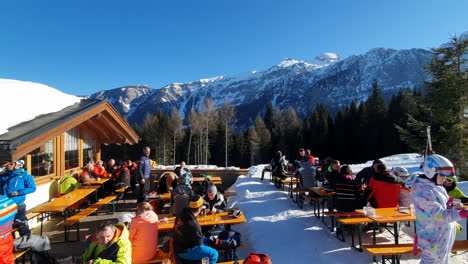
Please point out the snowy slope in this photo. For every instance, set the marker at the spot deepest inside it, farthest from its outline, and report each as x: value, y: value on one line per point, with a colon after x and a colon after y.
x: 275, y: 225
x: 28, y: 100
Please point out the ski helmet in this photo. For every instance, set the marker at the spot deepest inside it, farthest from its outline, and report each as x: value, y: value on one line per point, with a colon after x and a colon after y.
x: 400, y: 171
x: 437, y: 164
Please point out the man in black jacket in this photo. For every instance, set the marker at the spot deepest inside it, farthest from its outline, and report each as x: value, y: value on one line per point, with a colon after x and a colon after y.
x: 189, y: 242
x: 367, y: 173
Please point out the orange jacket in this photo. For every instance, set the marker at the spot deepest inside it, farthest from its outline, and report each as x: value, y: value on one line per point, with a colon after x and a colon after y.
x: 144, y: 237
x: 100, y: 172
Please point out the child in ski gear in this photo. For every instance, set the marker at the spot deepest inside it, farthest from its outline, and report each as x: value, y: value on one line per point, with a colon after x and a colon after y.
x: 436, y: 215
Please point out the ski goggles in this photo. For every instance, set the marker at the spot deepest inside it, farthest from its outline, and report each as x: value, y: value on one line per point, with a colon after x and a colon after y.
x: 446, y: 172
x: 448, y: 180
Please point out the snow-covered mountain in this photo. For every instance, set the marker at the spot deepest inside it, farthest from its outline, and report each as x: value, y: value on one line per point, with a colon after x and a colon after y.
x: 124, y: 99
x: 292, y: 83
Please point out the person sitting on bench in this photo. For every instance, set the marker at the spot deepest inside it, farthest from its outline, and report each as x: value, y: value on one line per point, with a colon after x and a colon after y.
x: 110, y: 244
x: 189, y: 243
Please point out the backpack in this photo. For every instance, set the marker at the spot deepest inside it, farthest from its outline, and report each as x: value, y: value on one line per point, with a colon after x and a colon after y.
x: 256, y: 258
x: 42, y: 257
x: 228, y: 239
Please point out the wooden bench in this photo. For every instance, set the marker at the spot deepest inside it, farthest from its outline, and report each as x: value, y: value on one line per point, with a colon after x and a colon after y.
x: 75, y: 219
x: 165, y: 255
x: 121, y: 193
x: 20, y: 254
x: 392, y: 252
x: 334, y: 215
x: 240, y: 261
x: 460, y: 245
x: 353, y: 222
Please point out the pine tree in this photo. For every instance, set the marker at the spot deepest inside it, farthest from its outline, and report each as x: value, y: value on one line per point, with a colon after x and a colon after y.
x: 376, y: 134
x: 447, y: 100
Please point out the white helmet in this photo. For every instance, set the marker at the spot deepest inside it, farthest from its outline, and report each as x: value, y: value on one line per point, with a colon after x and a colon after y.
x: 437, y: 164
x: 400, y: 171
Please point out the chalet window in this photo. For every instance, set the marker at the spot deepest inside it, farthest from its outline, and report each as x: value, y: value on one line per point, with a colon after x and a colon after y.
x: 42, y: 160
x: 71, y: 149
x: 89, y: 148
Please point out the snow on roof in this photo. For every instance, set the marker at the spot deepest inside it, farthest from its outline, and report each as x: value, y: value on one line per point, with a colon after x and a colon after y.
x: 23, y: 101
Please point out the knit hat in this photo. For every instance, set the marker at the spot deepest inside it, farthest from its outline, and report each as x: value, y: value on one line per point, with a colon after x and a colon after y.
x: 212, y: 189
x: 196, y: 203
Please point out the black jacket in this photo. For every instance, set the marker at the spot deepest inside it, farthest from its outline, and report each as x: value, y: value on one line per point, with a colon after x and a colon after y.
x: 330, y: 178
x: 187, y: 232
x: 218, y: 202
x: 349, y: 194
x: 365, y: 175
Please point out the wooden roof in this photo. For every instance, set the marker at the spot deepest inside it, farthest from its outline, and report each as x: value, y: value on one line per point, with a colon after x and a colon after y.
x: 98, y: 118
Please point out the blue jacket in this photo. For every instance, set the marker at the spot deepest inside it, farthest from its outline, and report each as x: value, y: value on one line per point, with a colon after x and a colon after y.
x: 17, y: 180
x: 144, y: 168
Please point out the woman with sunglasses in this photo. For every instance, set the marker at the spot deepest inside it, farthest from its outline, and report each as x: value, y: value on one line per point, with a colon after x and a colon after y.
x: 450, y: 185
x: 436, y: 214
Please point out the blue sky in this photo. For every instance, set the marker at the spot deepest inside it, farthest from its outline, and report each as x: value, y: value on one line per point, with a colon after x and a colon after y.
x: 84, y: 46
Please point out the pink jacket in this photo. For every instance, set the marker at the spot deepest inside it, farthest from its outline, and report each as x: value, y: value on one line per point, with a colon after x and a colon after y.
x: 144, y: 237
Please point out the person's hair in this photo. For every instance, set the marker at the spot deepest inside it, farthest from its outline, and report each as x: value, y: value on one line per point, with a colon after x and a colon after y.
x: 278, y: 154
x: 377, y: 161
x: 104, y: 225
x: 334, y: 162
x: 346, y: 170
x: 89, y: 164
x: 74, y: 173
x: 144, y: 206
x: 301, y: 149
x: 146, y: 148
x: 381, y: 168
x: 308, y: 152
x: 111, y: 160
x: 99, y: 162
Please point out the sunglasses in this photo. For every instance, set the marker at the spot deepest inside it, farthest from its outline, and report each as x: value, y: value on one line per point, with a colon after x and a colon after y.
x: 446, y: 172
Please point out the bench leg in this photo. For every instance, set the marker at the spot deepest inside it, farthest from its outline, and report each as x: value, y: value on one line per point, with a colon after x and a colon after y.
x: 340, y: 231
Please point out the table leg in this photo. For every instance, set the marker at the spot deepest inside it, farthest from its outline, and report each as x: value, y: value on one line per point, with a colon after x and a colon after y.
x: 395, y: 232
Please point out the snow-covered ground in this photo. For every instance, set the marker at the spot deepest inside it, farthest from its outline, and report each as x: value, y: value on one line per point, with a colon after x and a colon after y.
x: 275, y: 224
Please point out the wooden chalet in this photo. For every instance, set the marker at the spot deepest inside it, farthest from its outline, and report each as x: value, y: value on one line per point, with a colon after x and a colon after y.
x: 54, y: 144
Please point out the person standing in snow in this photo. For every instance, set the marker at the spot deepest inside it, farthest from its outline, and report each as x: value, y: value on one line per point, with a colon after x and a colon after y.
x: 436, y: 214
x: 16, y: 184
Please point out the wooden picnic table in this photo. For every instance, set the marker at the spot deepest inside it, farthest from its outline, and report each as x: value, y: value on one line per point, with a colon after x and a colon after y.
x: 208, y: 220
x: 63, y: 202
x: 214, y: 178
x: 164, y: 196
x: 99, y: 181
x: 389, y: 216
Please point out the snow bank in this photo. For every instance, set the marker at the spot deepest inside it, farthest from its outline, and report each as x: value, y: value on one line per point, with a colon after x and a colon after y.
x: 26, y: 100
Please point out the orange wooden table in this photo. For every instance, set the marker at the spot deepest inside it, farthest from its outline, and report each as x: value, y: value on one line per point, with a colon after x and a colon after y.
x: 209, y: 220
x: 97, y: 182
x: 390, y: 216
x: 63, y: 202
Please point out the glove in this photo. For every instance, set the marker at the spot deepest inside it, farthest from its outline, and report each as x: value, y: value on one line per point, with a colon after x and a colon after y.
x: 14, y: 193
x: 463, y: 213
x: 449, y: 202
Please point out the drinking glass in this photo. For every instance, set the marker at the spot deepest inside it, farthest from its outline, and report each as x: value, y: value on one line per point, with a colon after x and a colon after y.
x: 205, y: 260
x: 215, y: 217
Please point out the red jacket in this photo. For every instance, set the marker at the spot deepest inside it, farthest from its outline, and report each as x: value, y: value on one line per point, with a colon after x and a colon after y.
x: 385, y: 193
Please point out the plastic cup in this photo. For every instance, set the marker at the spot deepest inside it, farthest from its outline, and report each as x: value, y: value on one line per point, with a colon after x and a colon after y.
x: 205, y: 260
x: 165, y: 219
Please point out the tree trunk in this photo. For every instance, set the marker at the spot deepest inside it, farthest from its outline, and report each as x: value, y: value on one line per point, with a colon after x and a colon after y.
x: 189, y: 144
